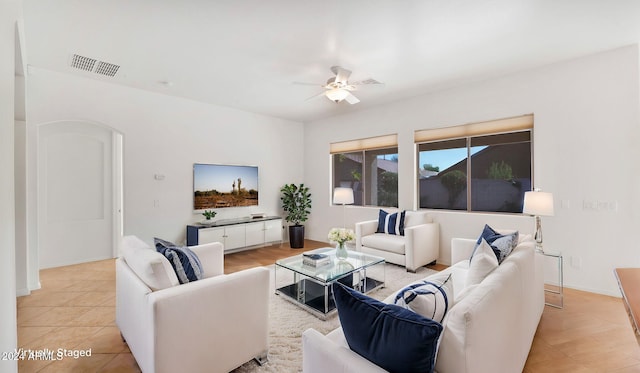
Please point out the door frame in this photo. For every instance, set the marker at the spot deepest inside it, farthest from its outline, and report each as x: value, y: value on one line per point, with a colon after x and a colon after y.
x: 33, y: 187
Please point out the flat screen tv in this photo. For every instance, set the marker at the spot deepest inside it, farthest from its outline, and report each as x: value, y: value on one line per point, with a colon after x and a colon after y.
x: 218, y: 186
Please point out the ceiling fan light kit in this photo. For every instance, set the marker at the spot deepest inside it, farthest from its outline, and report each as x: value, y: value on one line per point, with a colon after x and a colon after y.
x: 338, y: 88
x: 336, y: 95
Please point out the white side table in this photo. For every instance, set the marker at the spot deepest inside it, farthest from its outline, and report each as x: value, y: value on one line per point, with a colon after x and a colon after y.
x: 559, y: 288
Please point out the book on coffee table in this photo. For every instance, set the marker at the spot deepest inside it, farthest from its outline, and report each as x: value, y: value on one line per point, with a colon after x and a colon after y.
x: 315, y: 260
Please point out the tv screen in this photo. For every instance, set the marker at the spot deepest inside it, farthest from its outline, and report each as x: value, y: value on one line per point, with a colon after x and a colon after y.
x: 217, y: 186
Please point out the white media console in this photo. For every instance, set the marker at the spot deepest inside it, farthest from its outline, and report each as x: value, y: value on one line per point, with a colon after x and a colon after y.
x: 236, y: 234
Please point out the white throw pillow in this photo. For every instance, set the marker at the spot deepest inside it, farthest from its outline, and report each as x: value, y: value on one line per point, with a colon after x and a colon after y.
x: 431, y: 298
x: 149, y: 265
x: 482, y: 263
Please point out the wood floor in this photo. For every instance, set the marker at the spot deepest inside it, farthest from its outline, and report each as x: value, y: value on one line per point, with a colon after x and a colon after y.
x: 75, y: 310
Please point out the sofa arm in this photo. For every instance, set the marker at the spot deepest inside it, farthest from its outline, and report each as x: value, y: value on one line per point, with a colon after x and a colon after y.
x: 132, y: 312
x: 461, y: 249
x: 422, y: 245
x: 230, y: 309
x: 365, y: 228
x: 321, y: 355
x: 211, y: 256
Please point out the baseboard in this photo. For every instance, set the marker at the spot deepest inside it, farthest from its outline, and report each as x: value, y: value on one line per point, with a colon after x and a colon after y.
x: 37, y: 286
x: 595, y: 291
x: 22, y: 292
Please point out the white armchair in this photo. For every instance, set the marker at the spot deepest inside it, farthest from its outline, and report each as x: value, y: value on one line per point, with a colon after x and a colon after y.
x: 211, y: 325
x: 419, y: 246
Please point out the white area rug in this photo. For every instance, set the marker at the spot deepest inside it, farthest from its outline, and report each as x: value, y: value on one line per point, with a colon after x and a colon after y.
x: 288, y: 321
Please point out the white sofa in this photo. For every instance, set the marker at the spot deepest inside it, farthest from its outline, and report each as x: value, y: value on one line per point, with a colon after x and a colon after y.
x: 419, y: 246
x: 211, y: 325
x: 489, y: 330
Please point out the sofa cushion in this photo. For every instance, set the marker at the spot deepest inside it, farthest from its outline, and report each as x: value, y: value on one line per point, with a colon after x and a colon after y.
x: 386, y: 242
x: 149, y: 265
x: 501, y: 243
x: 391, y: 223
x: 482, y: 263
x: 464, y: 292
x: 184, y: 261
x: 431, y: 297
x: 390, y: 336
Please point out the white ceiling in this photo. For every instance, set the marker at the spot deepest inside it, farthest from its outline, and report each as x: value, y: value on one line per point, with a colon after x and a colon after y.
x: 246, y: 53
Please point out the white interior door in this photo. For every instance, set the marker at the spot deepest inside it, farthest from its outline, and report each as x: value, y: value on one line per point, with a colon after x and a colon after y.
x: 76, y: 193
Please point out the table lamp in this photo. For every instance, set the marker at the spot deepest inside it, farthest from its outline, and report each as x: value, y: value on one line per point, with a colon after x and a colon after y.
x: 343, y: 196
x: 538, y: 204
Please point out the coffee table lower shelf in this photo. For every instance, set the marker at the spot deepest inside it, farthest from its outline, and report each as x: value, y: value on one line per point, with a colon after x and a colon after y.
x: 314, y: 294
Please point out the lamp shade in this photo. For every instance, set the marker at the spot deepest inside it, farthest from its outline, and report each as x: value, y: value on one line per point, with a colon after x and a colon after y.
x: 337, y: 94
x: 538, y: 203
x: 342, y: 196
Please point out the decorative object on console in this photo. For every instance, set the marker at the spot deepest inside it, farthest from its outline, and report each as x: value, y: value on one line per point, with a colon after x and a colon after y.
x: 430, y: 298
x: 394, y: 338
x: 343, y: 196
x: 340, y: 236
x: 296, y: 202
x: 391, y: 223
x: 538, y: 204
x: 209, y: 214
x: 184, y: 261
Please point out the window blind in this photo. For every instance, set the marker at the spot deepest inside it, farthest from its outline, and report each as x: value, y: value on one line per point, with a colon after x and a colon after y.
x: 519, y: 123
x: 369, y: 143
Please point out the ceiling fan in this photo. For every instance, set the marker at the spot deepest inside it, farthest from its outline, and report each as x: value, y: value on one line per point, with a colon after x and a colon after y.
x: 338, y: 88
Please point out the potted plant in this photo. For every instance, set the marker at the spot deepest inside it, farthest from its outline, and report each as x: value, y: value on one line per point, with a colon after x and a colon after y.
x: 209, y: 214
x: 296, y: 203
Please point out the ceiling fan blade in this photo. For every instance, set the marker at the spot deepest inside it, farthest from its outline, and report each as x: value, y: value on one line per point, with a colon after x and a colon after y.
x: 351, y: 99
x: 365, y: 82
x: 316, y: 96
x: 342, y: 75
x: 305, y: 83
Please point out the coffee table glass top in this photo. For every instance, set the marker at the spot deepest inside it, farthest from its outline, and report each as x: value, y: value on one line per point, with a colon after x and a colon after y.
x: 334, y: 270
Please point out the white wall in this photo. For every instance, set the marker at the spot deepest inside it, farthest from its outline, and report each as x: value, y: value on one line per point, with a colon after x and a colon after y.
x: 22, y: 269
x: 166, y: 135
x: 586, y: 137
x: 10, y: 11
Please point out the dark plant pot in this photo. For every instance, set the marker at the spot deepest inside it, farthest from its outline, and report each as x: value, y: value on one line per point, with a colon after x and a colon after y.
x: 296, y: 236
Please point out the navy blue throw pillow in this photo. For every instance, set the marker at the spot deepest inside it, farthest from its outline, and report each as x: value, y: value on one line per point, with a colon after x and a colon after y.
x: 394, y: 338
x: 185, y: 262
x: 391, y: 223
x: 501, y: 244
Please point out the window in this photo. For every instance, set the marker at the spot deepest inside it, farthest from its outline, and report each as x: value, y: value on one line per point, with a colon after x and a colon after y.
x: 370, y: 168
x: 478, y: 172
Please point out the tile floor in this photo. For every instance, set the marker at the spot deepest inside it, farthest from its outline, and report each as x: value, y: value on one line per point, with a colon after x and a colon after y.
x: 74, y: 310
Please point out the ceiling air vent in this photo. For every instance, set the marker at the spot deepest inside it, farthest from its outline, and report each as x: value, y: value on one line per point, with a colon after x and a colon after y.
x: 83, y: 63
x: 93, y: 65
x: 106, y: 68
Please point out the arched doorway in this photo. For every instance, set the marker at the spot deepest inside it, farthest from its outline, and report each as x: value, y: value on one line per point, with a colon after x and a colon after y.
x: 79, y: 192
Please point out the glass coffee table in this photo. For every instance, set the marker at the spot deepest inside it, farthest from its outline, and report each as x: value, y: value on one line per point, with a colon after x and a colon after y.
x: 310, y: 287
